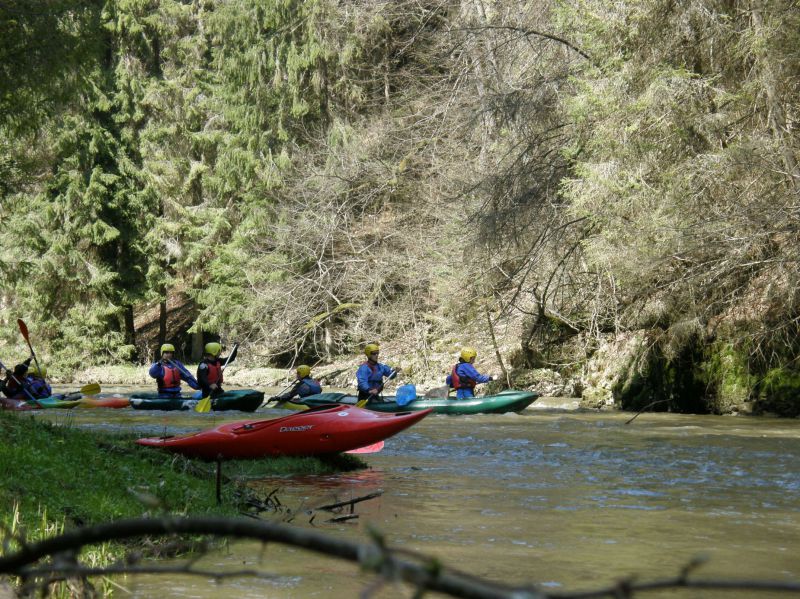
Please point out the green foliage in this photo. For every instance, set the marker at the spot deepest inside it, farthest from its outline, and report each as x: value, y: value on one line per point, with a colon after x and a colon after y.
x: 46, y: 49
x: 779, y: 393
x: 726, y: 374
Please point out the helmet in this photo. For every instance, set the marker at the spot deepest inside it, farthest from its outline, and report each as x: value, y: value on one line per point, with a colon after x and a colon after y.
x: 167, y: 347
x: 213, y: 349
x: 40, y: 372
x: 303, y: 370
x: 468, y: 353
x: 370, y: 348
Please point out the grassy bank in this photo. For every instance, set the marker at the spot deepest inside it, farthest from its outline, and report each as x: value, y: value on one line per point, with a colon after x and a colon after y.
x: 57, y: 477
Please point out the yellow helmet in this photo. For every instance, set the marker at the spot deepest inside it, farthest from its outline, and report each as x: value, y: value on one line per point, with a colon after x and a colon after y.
x: 167, y: 347
x: 468, y: 353
x: 303, y: 371
x: 37, y: 372
x: 371, y: 348
x: 213, y: 349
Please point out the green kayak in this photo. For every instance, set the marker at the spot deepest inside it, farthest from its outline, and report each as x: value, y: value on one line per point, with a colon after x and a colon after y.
x: 505, y: 401
x: 245, y: 400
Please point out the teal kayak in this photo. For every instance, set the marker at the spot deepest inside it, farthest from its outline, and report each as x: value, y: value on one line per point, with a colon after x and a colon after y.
x: 245, y: 400
x: 70, y: 400
x: 505, y: 401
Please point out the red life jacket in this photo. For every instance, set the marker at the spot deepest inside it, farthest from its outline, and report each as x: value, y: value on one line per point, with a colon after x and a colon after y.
x: 214, y: 372
x: 460, y: 383
x: 172, y: 378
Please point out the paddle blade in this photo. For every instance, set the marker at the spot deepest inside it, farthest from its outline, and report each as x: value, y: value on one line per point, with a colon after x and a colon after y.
x: 374, y: 448
x: 361, y: 403
x: 23, y: 328
x: 204, y: 405
x: 90, y: 389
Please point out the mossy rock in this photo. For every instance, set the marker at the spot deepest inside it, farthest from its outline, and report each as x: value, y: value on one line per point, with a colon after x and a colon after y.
x: 779, y: 393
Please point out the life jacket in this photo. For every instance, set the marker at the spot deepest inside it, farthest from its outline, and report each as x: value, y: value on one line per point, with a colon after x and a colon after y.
x: 308, y: 387
x: 214, y: 372
x: 39, y: 388
x: 373, y: 369
x: 172, y: 378
x: 458, y: 382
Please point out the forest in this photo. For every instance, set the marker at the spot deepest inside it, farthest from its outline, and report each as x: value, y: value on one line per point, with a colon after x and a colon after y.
x: 600, y: 190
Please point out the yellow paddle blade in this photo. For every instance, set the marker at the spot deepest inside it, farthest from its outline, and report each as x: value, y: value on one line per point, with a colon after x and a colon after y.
x: 90, y: 389
x: 204, y: 405
x: 361, y: 403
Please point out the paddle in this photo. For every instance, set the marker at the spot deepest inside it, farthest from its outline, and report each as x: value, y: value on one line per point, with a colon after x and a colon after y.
x: 278, y: 396
x: 374, y: 448
x: 362, y: 402
x: 204, y: 405
x: 90, y: 389
x: 23, y: 328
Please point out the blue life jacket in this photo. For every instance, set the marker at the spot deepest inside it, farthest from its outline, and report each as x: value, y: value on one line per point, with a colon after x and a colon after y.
x: 309, y: 386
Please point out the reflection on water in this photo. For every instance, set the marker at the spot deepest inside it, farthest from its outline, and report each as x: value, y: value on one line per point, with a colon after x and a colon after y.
x: 567, y: 500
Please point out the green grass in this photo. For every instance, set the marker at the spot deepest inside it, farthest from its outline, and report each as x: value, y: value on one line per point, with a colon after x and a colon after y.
x: 54, y: 477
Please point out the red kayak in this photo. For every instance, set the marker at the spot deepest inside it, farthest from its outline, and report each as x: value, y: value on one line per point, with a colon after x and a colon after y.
x: 328, y: 429
x: 104, y: 402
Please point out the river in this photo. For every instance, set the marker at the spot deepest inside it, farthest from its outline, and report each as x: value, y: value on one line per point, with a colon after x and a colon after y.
x: 559, y: 498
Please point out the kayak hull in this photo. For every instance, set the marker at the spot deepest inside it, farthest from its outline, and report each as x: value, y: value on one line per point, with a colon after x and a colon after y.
x: 505, y: 401
x: 244, y: 400
x: 320, y: 431
x: 54, y: 401
x: 104, y: 402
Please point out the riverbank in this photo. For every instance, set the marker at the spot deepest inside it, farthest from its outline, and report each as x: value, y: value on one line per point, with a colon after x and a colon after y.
x: 57, y: 477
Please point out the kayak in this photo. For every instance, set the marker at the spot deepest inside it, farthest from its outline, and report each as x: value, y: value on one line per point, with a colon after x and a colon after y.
x: 54, y: 401
x: 104, y: 402
x: 505, y: 401
x: 245, y: 400
x: 318, y: 431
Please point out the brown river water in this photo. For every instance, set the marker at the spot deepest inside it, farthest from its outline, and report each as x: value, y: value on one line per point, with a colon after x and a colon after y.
x: 563, y: 499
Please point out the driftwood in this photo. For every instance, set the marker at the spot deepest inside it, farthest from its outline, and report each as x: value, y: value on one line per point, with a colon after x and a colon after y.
x: 650, y: 405
x: 351, y: 502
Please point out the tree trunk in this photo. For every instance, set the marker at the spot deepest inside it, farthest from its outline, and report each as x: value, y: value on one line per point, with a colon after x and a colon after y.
x: 130, y: 330
x: 197, y: 346
x: 162, y: 320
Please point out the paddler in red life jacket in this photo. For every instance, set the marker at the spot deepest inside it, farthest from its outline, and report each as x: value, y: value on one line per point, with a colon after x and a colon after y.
x: 209, y: 372
x: 370, y: 374
x: 169, y: 372
x: 303, y: 386
x: 464, y: 377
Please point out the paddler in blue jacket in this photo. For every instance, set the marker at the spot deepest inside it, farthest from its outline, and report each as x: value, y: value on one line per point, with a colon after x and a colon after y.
x: 35, y: 383
x: 303, y: 386
x: 209, y: 372
x: 169, y: 373
x: 371, y: 373
x: 464, y: 377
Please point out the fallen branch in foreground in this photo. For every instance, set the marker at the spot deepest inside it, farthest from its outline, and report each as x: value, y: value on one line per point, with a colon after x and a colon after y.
x: 425, y: 573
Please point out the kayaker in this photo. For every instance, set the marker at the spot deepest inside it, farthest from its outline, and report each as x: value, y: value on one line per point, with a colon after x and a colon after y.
x: 12, y: 385
x: 371, y: 373
x: 35, y: 383
x: 169, y: 373
x: 209, y: 372
x: 303, y: 386
x: 464, y: 377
